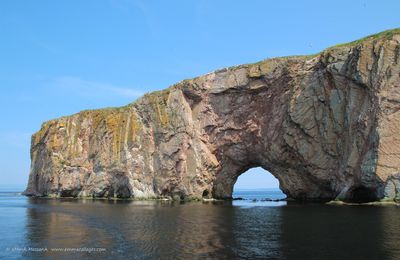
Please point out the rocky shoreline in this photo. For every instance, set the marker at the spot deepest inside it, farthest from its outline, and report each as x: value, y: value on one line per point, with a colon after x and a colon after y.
x: 290, y: 201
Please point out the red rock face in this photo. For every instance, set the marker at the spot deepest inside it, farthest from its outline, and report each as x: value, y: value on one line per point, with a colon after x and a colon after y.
x: 327, y: 126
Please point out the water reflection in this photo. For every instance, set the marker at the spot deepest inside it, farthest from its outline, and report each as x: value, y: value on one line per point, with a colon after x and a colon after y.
x: 54, y: 224
x: 150, y: 229
x: 391, y: 232
x: 153, y: 229
x: 338, y: 232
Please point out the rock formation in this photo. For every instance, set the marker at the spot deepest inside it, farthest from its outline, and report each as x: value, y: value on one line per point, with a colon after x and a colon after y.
x: 326, y: 126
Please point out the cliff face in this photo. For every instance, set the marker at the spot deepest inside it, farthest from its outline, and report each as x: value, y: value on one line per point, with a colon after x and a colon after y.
x: 327, y: 126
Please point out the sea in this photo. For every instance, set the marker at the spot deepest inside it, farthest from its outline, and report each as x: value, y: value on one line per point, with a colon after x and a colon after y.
x: 257, y: 225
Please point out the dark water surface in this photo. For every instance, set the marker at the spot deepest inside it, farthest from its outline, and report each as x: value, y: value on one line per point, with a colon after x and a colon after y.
x: 165, y: 230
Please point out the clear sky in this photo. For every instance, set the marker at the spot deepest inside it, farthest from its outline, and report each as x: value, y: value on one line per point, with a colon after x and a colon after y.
x: 60, y: 57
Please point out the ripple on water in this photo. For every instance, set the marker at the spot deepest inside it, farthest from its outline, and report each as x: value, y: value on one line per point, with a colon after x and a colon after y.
x: 171, y: 230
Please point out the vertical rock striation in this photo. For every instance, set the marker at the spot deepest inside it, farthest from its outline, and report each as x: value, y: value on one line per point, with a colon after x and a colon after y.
x: 327, y: 126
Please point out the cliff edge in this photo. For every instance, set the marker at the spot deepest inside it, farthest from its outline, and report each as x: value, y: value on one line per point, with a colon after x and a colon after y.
x: 326, y: 126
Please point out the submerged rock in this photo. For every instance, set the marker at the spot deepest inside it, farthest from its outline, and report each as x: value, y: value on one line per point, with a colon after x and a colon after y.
x: 326, y: 126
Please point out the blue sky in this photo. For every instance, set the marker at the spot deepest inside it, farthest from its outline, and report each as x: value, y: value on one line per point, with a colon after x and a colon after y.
x: 60, y: 57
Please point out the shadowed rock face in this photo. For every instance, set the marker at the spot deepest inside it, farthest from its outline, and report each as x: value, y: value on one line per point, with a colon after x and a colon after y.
x: 327, y: 126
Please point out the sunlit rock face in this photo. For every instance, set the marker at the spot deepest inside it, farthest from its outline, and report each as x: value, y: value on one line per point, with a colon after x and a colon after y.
x: 327, y: 126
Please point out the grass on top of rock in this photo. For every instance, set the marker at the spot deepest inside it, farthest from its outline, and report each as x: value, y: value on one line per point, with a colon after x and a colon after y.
x: 388, y: 34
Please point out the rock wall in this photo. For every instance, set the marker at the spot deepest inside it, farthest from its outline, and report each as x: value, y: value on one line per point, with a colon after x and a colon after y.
x: 327, y: 126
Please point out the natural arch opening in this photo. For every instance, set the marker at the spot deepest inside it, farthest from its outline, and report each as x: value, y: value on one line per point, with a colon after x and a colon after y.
x: 257, y: 183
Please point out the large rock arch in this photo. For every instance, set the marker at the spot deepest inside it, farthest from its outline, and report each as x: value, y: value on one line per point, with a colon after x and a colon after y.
x: 327, y: 126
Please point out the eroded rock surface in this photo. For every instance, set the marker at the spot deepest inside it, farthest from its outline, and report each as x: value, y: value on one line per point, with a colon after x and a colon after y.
x: 327, y: 126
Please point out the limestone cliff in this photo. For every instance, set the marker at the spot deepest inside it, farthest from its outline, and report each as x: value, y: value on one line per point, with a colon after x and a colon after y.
x: 327, y: 126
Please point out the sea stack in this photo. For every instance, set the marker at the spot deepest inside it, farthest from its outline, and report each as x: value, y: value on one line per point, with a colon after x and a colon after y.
x: 327, y: 126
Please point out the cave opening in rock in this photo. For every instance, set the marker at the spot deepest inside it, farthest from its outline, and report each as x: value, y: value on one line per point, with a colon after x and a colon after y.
x: 257, y: 183
x: 206, y: 194
x: 361, y: 194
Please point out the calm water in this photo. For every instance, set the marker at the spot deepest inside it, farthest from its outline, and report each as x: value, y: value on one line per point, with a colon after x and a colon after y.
x: 164, y: 230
